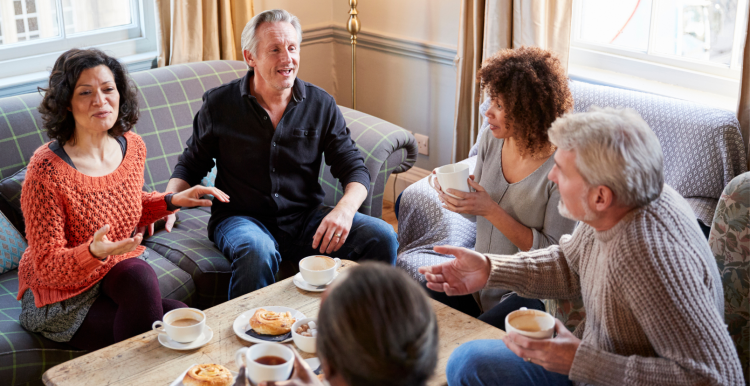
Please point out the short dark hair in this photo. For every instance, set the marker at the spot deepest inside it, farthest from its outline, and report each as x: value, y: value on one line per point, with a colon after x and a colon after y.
x: 58, y: 120
x: 532, y: 86
x: 377, y: 327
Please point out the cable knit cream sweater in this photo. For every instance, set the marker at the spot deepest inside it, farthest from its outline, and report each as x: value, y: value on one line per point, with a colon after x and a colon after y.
x: 652, y: 293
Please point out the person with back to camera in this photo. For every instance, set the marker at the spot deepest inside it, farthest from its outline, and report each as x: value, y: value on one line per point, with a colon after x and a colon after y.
x: 79, y: 280
x: 375, y: 327
x: 649, y: 282
x: 515, y: 203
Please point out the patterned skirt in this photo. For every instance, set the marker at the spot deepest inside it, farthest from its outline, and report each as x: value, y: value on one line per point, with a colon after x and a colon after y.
x: 57, y: 321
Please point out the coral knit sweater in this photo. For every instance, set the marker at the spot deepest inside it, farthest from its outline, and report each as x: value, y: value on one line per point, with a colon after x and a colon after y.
x: 64, y: 207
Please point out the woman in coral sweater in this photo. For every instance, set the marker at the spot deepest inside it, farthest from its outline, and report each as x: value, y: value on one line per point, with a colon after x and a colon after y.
x: 84, y: 279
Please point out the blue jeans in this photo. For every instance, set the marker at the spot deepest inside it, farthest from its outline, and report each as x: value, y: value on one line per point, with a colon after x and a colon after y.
x: 489, y: 362
x: 256, y: 250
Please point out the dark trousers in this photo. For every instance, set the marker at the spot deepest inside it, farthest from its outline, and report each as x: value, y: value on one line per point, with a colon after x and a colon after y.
x: 129, y: 303
x: 494, y: 316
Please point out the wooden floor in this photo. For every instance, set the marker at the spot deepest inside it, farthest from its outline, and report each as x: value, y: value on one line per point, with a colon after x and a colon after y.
x: 389, y: 215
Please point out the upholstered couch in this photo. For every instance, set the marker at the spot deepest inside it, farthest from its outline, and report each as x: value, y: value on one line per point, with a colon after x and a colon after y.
x: 703, y: 151
x: 188, y: 265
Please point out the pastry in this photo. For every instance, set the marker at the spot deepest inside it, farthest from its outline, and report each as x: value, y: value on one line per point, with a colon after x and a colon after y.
x: 208, y: 374
x: 271, y: 323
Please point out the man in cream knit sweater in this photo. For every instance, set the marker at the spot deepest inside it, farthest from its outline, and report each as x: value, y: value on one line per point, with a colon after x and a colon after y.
x: 649, y: 283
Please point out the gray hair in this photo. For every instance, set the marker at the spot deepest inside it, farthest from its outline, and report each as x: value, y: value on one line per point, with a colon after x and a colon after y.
x: 250, y: 40
x: 615, y: 148
x: 377, y: 327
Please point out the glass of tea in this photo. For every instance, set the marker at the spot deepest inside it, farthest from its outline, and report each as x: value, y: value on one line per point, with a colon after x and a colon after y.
x: 266, y: 362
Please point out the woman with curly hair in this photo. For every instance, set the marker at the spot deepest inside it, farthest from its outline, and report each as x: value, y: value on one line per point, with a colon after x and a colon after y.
x: 515, y: 203
x: 82, y: 200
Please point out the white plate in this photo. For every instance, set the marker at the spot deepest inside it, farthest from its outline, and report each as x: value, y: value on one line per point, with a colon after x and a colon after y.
x: 242, y: 323
x: 178, y: 381
x: 204, y: 338
x: 303, y: 285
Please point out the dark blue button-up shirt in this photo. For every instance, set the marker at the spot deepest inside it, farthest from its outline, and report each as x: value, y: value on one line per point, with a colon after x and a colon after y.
x: 271, y: 175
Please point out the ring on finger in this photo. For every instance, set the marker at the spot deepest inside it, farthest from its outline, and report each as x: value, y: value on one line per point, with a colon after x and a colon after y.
x: 528, y: 360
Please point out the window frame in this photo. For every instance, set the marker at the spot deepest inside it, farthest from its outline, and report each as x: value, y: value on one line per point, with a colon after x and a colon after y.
x: 24, y: 62
x: 702, y: 76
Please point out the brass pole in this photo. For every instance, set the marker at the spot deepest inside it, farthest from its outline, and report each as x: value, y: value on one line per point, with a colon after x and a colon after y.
x: 353, y: 27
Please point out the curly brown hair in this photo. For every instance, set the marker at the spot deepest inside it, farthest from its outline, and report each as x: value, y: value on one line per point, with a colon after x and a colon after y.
x: 532, y: 87
x: 58, y: 120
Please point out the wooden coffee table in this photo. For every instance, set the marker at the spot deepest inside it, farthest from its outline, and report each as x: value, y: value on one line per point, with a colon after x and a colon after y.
x: 141, y: 360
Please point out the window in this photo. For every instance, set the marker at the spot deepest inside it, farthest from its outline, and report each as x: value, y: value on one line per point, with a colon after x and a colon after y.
x: 691, y: 44
x: 43, y: 29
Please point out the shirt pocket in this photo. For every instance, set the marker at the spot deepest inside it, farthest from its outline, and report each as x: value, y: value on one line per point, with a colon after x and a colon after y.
x: 305, y: 133
x: 305, y: 145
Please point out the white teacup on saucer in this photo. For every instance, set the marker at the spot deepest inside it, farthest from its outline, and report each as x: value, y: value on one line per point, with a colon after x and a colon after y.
x: 200, y: 341
x: 300, y: 282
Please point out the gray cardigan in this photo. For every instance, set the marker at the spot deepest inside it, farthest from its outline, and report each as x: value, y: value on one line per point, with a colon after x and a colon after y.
x: 531, y: 201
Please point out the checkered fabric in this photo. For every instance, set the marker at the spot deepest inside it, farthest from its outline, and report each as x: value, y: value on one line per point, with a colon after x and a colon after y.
x: 12, y: 245
x: 387, y: 149
x: 24, y: 356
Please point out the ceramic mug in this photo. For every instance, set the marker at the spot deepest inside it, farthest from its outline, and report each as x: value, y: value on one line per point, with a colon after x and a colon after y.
x: 182, y: 334
x: 452, y: 176
x: 257, y: 372
x: 530, y: 323
x: 319, y: 269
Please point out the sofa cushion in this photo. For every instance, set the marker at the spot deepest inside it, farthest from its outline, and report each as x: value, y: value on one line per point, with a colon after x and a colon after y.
x: 24, y: 356
x: 10, y: 189
x: 730, y: 241
x: 12, y: 245
x: 188, y: 247
x: 174, y: 283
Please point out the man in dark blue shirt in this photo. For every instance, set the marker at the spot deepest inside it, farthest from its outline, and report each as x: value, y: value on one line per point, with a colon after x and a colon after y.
x: 268, y: 132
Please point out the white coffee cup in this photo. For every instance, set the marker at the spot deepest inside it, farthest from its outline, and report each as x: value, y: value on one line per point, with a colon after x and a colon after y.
x: 452, y: 176
x: 530, y: 323
x: 319, y: 269
x: 257, y: 372
x: 181, y: 334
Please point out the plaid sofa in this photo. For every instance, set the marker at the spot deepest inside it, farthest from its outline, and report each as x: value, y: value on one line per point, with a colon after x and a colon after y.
x: 188, y: 265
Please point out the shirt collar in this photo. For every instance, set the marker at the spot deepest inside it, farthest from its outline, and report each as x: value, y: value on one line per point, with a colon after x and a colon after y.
x: 298, y: 90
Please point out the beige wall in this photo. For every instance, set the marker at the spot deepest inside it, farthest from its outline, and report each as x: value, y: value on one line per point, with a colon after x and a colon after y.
x: 415, y: 93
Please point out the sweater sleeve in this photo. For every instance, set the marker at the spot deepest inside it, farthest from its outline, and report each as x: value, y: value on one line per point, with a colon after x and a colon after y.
x: 55, y: 263
x: 549, y: 273
x: 670, y: 292
x: 154, y: 207
x: 555, y: 225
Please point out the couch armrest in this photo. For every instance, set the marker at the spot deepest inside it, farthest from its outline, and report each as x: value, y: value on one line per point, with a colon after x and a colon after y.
x: 387, y: 149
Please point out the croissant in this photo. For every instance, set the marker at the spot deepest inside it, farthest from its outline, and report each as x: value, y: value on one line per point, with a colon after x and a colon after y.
x: 208, y: 374
x: 271, y: 323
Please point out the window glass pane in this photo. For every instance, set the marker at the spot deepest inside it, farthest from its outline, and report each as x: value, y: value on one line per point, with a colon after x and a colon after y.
x: 22, y: 20
x: 621, y: 23
x: 89, y: 15
x: 697, y: 29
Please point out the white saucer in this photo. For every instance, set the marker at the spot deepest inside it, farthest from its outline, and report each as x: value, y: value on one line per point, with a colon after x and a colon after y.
x: 242, y: 323
x: 303, y: 285
x: 204, y: 338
